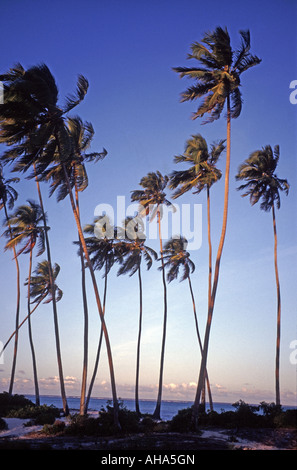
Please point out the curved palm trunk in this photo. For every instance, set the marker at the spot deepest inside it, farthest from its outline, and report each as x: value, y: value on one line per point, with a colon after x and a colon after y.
x: 17, y: 316
x: 98, y: 348
x: 19, y: 326
x: 37, y: 398
x: 98, y: 301
x: 86, y: 342
x: 209, y: 272
x: 217, y: 270
x: 55, y: 313
x: 209, y: 248
x: 156, y: 413
x: 277, y: 357
x: 200, y: 344
x: 138, y: 345
x: 86, y: 320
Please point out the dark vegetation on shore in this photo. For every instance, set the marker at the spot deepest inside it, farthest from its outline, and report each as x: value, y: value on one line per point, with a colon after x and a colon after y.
x: 266, y: 415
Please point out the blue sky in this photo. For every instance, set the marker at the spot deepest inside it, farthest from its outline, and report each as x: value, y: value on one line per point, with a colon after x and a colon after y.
x: 127, y: 51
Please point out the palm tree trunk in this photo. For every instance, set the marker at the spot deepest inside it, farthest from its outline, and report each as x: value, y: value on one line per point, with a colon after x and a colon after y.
x: 101, y: 314
x: 209, y: 272
x: 156, y: 413
x: 53, y: 293
x: 209, y: 248
x: 98, y: 348
x: 200, y: 344
x: 217, y: 269
x: 86, y: 320
x: 37, y: 398
x: 86, y: 329
x: 277, y: 357
x: 138, y: 345
x: 17, y: 315
x: 19, y: 326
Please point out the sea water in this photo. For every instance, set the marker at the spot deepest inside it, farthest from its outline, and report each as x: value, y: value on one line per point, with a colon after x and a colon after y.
x: 168, y: 408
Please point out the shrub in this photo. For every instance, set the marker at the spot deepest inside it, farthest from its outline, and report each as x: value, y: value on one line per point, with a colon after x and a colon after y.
x: 287, y: 418
x: 12, y: 402
x: 183, y: 421
x: 83, y: 425
x: 104, y: 424
x: 53, y: 429
x: 43, y: 414
x: 147, y: 423
x: 246, y: 415
x: 129, y: 420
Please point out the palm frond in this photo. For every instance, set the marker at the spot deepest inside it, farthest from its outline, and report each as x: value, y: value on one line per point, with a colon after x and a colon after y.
x: 74, y: 99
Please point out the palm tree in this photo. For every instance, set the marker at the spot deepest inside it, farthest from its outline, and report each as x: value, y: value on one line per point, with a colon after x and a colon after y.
x: 81, y: 135
x: 263, y: 184
x: 8, y: 196
x: 218, y: 81
x: 133, y: 251
x: 34, y: 124
x: 202, y: 174
x: 152, y: 198
x: 176, y: 257
x: 24, y: 228
x: 40, y: 291
x: 103, y: 251
x: 28, y: 120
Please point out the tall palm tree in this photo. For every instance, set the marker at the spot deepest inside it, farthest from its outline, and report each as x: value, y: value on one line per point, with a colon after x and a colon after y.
x: 133, y: 251
x: 33, y: 124
x: 24, y: 228
x: 202, y: 174
x: 28, y: 120
x: 103, y: 251
x: 40, y: 291
x: 152, y: 198
x: 81, y: 135
x: 217, y: 79
x: 176, y: 258
x: 8, y: 196
x: 263, y: 184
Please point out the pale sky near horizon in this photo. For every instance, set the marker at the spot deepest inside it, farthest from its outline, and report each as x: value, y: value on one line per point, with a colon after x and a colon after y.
x: 127, y: 51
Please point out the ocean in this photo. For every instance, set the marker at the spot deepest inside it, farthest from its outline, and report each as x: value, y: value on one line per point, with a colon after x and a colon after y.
x: 168, y: 408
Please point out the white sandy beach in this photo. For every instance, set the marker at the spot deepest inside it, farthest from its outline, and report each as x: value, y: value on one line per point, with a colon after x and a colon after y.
x: 17, y: 429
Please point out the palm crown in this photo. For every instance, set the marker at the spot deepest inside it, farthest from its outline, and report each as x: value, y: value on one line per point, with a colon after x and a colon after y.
x: 104, y: 249
x: 219, y: 75
x: 31, y: 119
x: 80, y: 135
x: 40, y: 284
x: 152, y: 196
x: 202, y: 172
x: 25, y: 229
x: 176, y: 257
x: 133, y: 249
x: 262, y: 182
